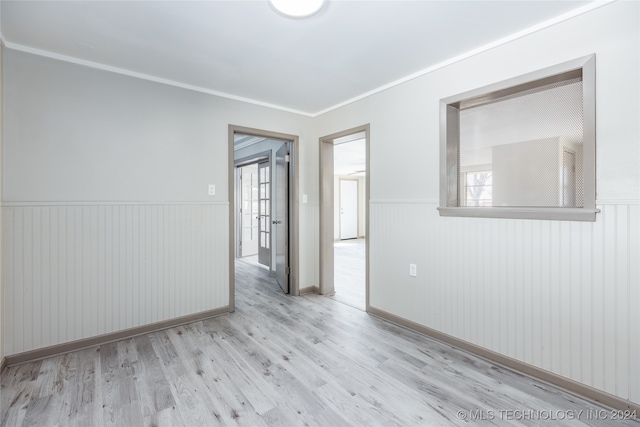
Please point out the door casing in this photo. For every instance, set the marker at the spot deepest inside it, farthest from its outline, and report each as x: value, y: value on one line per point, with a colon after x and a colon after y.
x: 294, y: 227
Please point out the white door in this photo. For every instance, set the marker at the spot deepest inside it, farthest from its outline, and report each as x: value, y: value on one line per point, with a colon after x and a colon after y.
x: 348, y: 209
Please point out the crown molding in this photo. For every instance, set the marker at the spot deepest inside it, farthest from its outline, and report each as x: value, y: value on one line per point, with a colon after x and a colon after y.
x: 515, y: 36
x: 148, y: 77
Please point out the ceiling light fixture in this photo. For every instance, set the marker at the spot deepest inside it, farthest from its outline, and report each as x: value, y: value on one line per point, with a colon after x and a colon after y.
x: 297, y: 8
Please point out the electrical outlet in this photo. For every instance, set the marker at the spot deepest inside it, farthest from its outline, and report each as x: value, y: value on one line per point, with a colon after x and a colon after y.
x: 212, y: 190
x: 413, y: 270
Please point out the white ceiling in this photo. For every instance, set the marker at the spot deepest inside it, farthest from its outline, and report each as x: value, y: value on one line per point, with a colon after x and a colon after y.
x: 244, y: 50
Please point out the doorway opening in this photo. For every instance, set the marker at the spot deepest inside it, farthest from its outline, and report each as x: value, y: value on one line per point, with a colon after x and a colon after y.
x: 344, y: 217
x: 263, y: 219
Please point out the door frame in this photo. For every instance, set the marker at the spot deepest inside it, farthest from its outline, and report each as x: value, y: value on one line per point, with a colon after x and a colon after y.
x: 327, y: 202
x: 294, y: 226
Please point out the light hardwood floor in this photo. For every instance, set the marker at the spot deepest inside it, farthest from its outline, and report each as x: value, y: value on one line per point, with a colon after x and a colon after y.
x: 349, y: 272
x: 280, y: 360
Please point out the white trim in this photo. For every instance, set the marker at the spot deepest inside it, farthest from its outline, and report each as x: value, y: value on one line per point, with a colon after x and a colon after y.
x: 527, y: 31
x: 404, y: 202
x: 110, y: 203
x: 544, y: 213
x: 599, y: 202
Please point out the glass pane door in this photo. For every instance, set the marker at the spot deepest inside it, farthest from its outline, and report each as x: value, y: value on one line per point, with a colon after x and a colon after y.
x: 264, y: 208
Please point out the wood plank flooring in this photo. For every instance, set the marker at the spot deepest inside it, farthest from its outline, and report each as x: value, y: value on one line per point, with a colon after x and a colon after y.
x: 285, y: 361
x: 349, y: 272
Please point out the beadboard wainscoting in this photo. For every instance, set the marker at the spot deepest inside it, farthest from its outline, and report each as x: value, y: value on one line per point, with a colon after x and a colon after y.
x: 76, y: 271
x: 561, y: 296
x: 309, y: 251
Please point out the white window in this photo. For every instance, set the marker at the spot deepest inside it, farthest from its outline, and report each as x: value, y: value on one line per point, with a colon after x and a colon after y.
x: 522, y: 148
x: 477, y: 189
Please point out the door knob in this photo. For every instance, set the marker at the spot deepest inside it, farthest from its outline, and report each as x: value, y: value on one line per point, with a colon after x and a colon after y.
x: 276, y: 222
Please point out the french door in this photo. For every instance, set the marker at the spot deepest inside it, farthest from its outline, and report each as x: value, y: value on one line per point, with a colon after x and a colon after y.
x: 264, y: 213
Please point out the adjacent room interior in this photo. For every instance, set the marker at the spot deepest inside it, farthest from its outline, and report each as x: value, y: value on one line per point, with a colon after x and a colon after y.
x: 350, y: 207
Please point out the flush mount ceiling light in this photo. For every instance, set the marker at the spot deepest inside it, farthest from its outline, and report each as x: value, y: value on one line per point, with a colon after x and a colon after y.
x: 297, y: 8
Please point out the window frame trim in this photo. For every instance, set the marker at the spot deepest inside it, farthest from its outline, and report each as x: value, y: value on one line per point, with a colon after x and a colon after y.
x: 449, y: 141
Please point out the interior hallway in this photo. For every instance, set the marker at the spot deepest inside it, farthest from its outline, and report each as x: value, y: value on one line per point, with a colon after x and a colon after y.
x: 277, y: 360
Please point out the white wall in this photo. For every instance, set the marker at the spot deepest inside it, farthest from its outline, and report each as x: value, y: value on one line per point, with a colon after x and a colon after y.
x: 107, y: 220
x: 537, y: 180
x: 562, y: 296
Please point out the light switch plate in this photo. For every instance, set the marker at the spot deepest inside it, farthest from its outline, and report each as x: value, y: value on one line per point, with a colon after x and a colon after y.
x: 212, y: 190
x: 413, y: 270
x: 305, y: 199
